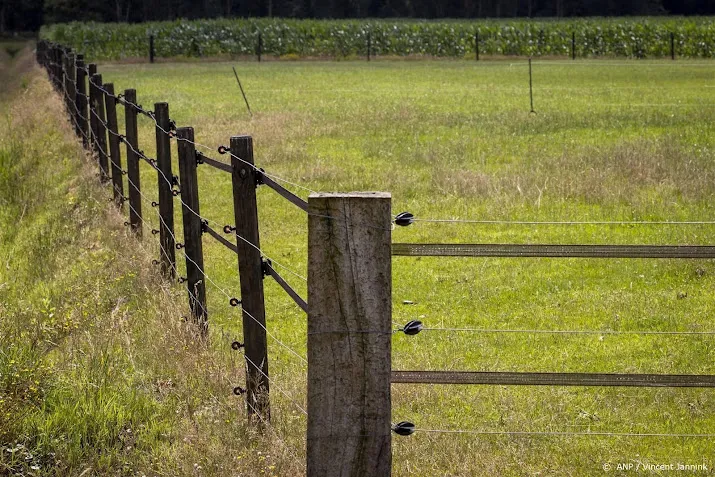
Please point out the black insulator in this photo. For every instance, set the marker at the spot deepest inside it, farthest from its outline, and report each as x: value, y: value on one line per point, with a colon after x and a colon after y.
x: 155, y: 262
x: 154, y: 203
x: 234, y: 302
x: 126, y: 224
x: 175, y: 192
x: 236, y: 345
x: 412, y: 327
x: 199, y: 157
x: 172, y: 124
x: 181, y: 279
x: 238, y: 390
x: 227, y: 229
x: 204, y: 226
x: 154, y: 231
x: 124, y: 173
x: 179, y: 246
x: 404, y: 219
x: 404, y: 428
x: 175, y: 180
x: 223, y: 149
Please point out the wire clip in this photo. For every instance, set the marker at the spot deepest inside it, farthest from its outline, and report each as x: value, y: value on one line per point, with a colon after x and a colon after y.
x: 175, y: 192
x: 181, y: 279
x: 227, y: 229
x: 199, y: 157
x: 238, y: 391
x: 404, y: 428
x: 155, y: 262
x: 154, y: 203
x: 236, y: 345
x: 404, y: 219
x: 179, y: 246
x: 223, y: 149
x: 265, y: 263
x: 154, y: 231
x: 412, y: 327
x: 234, y: 302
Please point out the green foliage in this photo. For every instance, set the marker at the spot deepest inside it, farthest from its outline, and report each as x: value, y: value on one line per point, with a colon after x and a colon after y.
x: 638, y: 37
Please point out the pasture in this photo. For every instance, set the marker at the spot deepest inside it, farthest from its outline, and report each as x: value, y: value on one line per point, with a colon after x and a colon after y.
x: 610, y: 141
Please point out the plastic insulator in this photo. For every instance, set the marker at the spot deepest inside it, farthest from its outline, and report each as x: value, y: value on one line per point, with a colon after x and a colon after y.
x: 404, y: 428
x: 124, y: 173
x: 181, y: 279
x: 179, y: 246
x: 238, y: 391
x: 404, y: 219
x: 154, y: 231
x: 236, y: 345
x: 234, y: 302
x: 155, y: 262
x: 126, y: 224
x: 223, y: 149
x: 154, y: 203
x: 175, y: 192
x: 412, y: 327
x: 227, y: 229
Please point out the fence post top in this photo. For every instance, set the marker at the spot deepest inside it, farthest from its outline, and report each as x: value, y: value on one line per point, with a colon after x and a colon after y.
x: 349, y: 195
x: 243, y: 137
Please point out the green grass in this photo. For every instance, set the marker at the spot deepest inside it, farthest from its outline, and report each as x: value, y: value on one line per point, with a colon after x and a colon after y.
x: 610, y: 141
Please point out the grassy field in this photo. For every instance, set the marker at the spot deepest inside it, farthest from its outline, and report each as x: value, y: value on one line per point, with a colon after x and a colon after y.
x: 610, y: 140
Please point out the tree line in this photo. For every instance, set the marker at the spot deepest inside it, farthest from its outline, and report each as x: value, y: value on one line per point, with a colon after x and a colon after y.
x: 29, y: 15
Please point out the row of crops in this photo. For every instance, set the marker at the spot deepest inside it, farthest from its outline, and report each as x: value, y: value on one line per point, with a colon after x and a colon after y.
x: 613, y: 37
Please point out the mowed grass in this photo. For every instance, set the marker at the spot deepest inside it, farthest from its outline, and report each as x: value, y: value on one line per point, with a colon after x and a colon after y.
x: 610, y: 140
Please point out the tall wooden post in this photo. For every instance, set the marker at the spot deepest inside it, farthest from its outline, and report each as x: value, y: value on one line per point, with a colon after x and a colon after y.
x: 166, y: 197
x: 110, y: 102
x: 369, y: 45
x: 133, y: 180
x: 65, y: 78
x: 91, y: 71
x: 349, y: 334
x: 71, y: 90
x: 193, y: 246
x: 100, y: 128
x: 151, y: 48
x: 81, y: 99
x: 250, y: 269
x: 259, y: 46
x: 476, y: 44
x: 672, y: 45
x: 573, y: 45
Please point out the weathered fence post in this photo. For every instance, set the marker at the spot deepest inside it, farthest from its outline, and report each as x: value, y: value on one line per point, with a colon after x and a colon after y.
x: 151, y: 48
x: 81, y: 99
x: 100, y: 128
x: 259, y: 46
x: 250, y: 269
x: 349, y: 334
x: 65, y: 79
x: 476, y: 43
x: 132, y: 142
x: 57, y: 60
x: 115, y: 155
x: 672, y: 45
x: 166, y: 196
x: 71, y: 90
x: 91, y: 71
x: 573, y: 45
x: 193, y: 227
x: 369, y: 44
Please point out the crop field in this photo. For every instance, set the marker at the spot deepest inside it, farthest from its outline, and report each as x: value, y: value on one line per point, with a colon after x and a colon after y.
x: 632, y: 37
x: 454, y: 140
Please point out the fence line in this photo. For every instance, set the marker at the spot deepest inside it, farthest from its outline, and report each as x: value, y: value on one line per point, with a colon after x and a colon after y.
x: 349, y: 378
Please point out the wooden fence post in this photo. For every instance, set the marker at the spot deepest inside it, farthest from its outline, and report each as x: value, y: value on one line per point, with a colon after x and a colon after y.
x: 91, y: 71
x: 476, y: 44
x: 57, y: 67
x: 166, y: 196
x: 250, y: 269
x: 672, y: 45
x: 65, y: 78
x: 192, y: 228
x: 71, y: 90
x: 349, y: 334
x: 259, y: 46
x: 573, y: 45
x: 110, y: 101
x: 369, y: 45
x: 100, y: 128
x: 81, y: 99
x: 151, y: 48
x: 132, y: 142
